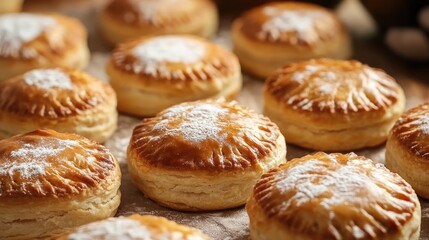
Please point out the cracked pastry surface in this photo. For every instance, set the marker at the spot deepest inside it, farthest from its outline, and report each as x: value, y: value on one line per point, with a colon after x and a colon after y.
x: 267, y: 37
x: 333, y: 105
x: 168, y: 70
x: 51, y: 182
x: 136, y: 227
x: 36, y: 40
x: 57, y: 98
x: 123, y: 20
x: 333, y: 196
x: 407, y: 151
x: 209, y: 154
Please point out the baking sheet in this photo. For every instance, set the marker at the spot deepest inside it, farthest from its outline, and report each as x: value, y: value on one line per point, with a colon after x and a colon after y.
x: 231, y: 224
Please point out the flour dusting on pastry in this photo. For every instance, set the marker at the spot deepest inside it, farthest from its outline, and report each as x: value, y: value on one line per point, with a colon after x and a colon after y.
x: 48, y: 78
x: 18, y: 29
x: 36, y: 157
x: 154, y: 55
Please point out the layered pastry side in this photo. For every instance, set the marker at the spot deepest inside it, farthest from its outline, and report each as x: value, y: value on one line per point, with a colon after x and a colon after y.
x: 124, y: 20
x: 333, y: 196
x: 53, y: 182
x: 135, y: 227
x: 267, y: 37
x: 333, y: 105
x: 407, y: 149
x: 153, y: 73
x: 203, y: 155
x: 35, y: 40
x: 57, y: 98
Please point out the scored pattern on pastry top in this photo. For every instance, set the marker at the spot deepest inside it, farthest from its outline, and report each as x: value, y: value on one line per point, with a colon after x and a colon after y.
x: 48, y: 78
x: 175, y: 58
x: 334, y: 86
x: 412, y: 130
x: 204, y: 135
x: 18, y: 29
x: 44, y: 163
x: 157, y: 13
x: 53, y: 93
x: 129, y: 229
x: 336, y: 196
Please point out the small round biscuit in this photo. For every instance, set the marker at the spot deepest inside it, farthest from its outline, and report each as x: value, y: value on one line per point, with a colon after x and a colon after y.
x: 203, y: 155
x: 57, y: 98
x: 34, y: 40
x: 333, y: 196
x: 53, y: 182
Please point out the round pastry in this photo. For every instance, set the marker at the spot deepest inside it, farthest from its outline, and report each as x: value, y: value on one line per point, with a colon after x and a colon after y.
x: 30, y: 41
x: 333, y: 196
x: 60, y: 99
x: 135, y: 227
x: 267, y: 37
x: 154, y: 73
x: 123, y: 20
x: 51, y: 182
x: 203, y: 155
x: 9, y: 6
x: 407, y: 149
x: 333, y: 105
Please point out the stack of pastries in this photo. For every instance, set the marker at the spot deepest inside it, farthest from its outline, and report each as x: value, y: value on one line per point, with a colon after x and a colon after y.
x: 195, y: 148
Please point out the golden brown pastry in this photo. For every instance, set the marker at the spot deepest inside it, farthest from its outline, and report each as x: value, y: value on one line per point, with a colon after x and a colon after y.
x: 123, y: 20
x: 267, y: 37
x: 52, y: 182
x: 407, y: 149
x: 333, y: 196
x: 9, y: 6
x: 135, y: 227
x: 30, y: 41
x: 333, y: 105
x: 57, y: 98
x: 203, y: 155
x: 153, y: 73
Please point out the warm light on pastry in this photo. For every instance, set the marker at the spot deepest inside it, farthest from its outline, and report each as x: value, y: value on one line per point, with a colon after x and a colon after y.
x: 407, y: 149
x: 333, y: 196
x: 61, y: 99
x: 203, y: 155
x: 123, y: 20
x: 267, y: 37
x: 10, y: 6
x: 52, y: 182
x: 30, y: 41
x: 333, y: 105
x: 135, y: 227
x: 153, y: 73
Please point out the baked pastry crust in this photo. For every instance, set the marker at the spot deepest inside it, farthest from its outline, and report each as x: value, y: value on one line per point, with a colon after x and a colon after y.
x: 169, y: 70
x: 135, y: 227
x: 333, y: 105
x: 57, y: 98
x: 267, y: 37
x: 203, y: 155
x: 407, y: 149
x: 52, y: 182
x: 333, y: 196
x: 35, y: 40
x: 123, y: 20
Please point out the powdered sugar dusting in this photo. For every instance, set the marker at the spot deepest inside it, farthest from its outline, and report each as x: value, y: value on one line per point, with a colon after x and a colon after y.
x: 153, y: 54
x: 125, y: 229
x: 301, y: 22
x: 18, y: 29
x: 48, y: 78
x: 335, y: 187
x: 423, y: 121
x: 32, y: 159
x: 151, y: 9
x: 201, y: 122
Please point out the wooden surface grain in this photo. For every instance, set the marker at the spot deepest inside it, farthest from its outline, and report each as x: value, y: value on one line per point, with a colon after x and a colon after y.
x: 231, y: 224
